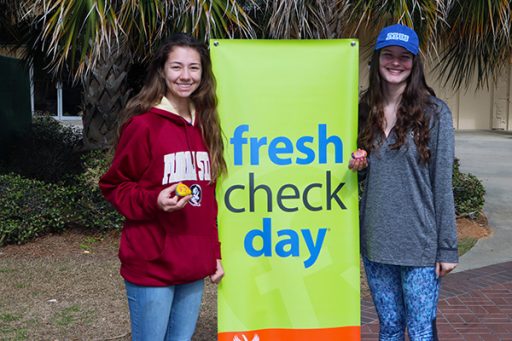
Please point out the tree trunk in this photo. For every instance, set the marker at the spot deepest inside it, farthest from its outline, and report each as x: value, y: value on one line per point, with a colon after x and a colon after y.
x: 105, y: 94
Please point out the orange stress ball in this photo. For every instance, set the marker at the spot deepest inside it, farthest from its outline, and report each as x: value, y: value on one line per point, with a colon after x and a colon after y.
x: 182, y: 190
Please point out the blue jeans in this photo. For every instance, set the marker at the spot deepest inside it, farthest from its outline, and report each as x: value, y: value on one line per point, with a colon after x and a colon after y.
x: 164, y: 313
x: 404, y: 296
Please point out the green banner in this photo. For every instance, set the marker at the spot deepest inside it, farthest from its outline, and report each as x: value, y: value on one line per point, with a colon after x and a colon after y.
x: 288, y: 208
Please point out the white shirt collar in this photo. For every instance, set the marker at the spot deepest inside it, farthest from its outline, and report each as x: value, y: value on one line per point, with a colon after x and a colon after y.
x: 166, y: 105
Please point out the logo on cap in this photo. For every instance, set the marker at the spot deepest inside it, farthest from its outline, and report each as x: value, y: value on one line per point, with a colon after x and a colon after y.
x: 397, y: 36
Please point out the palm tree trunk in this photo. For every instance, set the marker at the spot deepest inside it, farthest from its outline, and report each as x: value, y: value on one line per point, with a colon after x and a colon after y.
x: 105, y: 94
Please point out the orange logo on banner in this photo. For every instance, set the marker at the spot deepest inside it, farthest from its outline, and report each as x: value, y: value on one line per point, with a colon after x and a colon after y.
x: 341, y: 333
x: 244, y: 338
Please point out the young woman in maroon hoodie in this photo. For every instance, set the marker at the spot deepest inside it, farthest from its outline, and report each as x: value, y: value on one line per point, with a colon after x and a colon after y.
x: 170, y: 134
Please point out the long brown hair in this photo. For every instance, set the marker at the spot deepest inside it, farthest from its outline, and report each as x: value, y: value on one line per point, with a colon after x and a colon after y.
x: 411, y: 113
x: 204, y: 97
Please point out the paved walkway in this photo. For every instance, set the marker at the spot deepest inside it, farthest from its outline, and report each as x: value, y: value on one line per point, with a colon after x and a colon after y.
x: 476, y: 301
x: 488, y: 155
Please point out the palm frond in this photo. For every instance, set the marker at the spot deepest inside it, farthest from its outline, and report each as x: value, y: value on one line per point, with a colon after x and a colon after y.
x: 477, y: 42
x: 300, y: 19
x: 75, y: 34
x: 206, y: 19
x: 73, y: 31
x: 369, y: 16
x: 143, y: 23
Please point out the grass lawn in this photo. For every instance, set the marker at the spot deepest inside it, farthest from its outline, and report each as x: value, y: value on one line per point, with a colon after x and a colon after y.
x: 67, y: 287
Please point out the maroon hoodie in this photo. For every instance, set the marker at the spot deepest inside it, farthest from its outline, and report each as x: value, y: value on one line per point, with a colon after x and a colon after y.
x: 157, y: 248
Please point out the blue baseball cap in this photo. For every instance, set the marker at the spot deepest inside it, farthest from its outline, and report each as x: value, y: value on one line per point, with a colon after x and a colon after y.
x: 398, y: 35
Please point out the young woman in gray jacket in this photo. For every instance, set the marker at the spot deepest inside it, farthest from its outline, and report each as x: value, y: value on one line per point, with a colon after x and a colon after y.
x: 408, y: 231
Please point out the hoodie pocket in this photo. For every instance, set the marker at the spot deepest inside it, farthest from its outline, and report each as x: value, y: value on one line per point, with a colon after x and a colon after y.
x: 188, y: 257
x: 141, y: 241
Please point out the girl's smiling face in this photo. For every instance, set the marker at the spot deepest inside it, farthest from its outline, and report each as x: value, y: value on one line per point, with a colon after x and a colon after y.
x: 395, y: 64
x: 182, y: 72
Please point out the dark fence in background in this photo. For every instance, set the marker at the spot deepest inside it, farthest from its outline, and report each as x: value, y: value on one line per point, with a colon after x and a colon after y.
x: 15, y: 111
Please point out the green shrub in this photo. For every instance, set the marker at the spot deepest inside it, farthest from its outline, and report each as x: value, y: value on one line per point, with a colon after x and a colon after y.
x: 50, y: 152
x: 95, y: 163
x: 468, y: 192
x: 55, y: 185
x: 94, y: 211
x: 31, y: 208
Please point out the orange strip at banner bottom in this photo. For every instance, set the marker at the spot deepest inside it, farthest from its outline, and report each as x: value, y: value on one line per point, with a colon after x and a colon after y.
x: 324, y: 334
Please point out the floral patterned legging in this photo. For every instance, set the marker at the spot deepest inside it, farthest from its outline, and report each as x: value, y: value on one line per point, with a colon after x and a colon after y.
x: 404, y: 296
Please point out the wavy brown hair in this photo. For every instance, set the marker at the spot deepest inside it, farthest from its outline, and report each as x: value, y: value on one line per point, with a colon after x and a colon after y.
x: 204, y: 97
x: 411, y: 112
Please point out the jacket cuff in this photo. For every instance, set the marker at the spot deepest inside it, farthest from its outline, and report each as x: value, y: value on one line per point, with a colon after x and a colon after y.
x: 447, y: 255
x: 217, y: 251
x: 152, y: 200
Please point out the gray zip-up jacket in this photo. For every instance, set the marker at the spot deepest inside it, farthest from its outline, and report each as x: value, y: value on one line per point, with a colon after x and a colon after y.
x: 407, y: 209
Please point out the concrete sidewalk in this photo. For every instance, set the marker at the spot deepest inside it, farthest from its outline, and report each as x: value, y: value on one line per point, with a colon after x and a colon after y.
x: 488, y: 155
x: 476, y: 300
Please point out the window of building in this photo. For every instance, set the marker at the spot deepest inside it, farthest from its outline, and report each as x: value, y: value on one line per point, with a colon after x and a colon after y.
x: 60, y: 99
